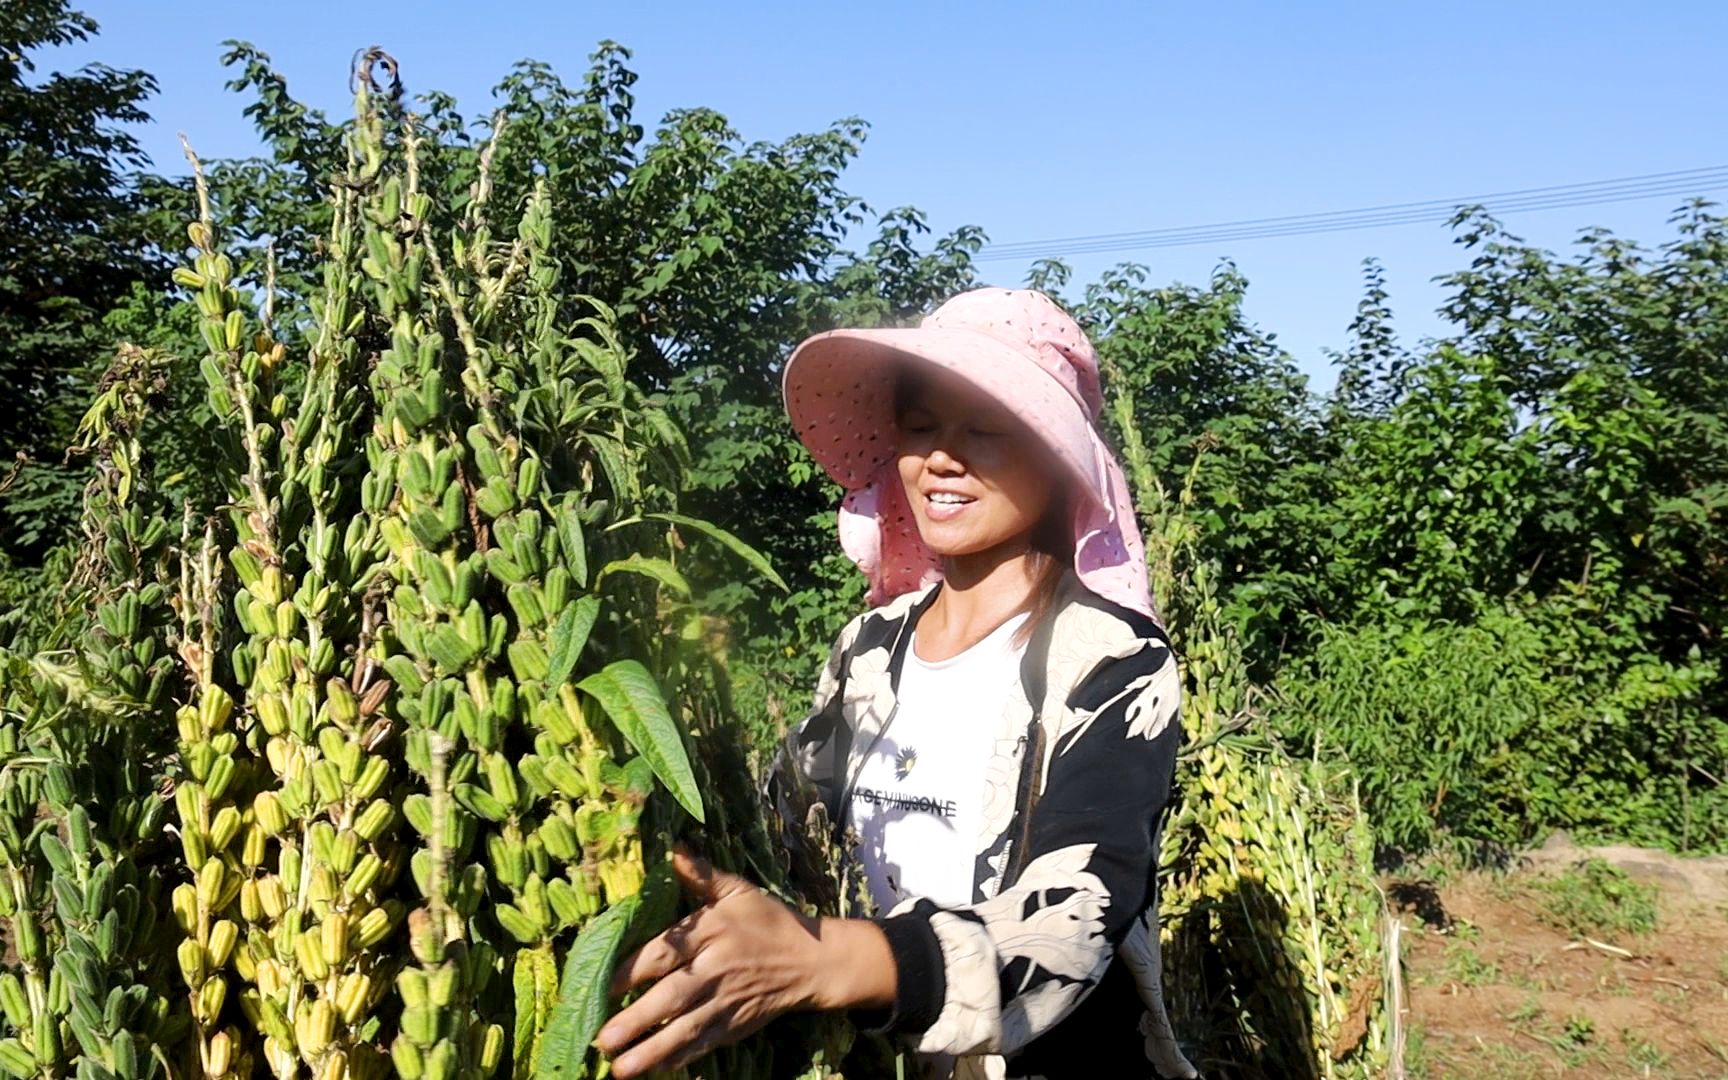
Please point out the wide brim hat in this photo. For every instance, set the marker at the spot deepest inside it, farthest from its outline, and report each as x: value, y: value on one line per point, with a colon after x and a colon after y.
x: 1017, y: 347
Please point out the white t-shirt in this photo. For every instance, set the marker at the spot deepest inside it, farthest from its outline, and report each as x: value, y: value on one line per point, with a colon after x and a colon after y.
x: 920, y: 794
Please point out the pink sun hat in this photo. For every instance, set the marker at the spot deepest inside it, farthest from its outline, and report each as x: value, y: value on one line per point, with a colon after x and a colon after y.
x: 1014, y: 345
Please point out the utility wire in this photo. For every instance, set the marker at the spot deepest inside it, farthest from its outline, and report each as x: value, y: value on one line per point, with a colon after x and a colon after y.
x: 1590, y: 193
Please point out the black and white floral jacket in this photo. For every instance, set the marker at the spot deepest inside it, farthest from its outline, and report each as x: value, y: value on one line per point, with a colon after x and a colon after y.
x: 1053, y: 970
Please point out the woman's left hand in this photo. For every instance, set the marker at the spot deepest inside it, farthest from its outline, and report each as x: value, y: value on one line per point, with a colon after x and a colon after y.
x: 739, y: 961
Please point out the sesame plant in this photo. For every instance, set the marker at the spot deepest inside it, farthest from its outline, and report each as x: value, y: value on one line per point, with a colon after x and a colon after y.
x: 371, y: 769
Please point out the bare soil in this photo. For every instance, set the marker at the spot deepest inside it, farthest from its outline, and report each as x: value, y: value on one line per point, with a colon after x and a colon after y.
x: 1496, y: 992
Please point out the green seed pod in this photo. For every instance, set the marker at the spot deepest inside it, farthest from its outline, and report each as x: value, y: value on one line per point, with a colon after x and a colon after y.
x: 13, y: 1002
x: 404, y: 1055
x: 365, y: 873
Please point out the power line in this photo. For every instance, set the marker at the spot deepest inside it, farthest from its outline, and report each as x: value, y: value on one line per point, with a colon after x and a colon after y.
x: 1589, y: 193
x: 1212, y: 234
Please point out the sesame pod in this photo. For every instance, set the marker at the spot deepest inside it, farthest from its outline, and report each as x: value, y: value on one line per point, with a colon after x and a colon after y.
x: 309, y: 952
x: 509, y: 861
x: 193, y: 847
x: 13, y: 1001
x: 340, y: 702
x: 223, y: 935
x: 287, y: 619
x: 420, y: 1024
x: 533, y: 771
x: 185, y: 903
x: 234, y: 330
x: 364, y: 874
x: 373, y: 927
x: 268, y: 812
x: 215, y: 706
x: 495, y: 499
x: 212, y: 876
x: 417, y: 808
x: 518, y: 925
x: 566, y: 780
x: 351, y: 996
x: 491, y: 1049
x: 221, y: 773
x: 525, y: 600
x: 223, y: 827
x: 45, y: 1032
x: 320, y: 836
x: 211, y: 997
x: 566, y: 904
x: 441, y: 985
x: 327, y: 781
x: 481, y: 802
x: 252, y: 848
x: 404, y: 1055
x: 485, y: 454
x: 322, y: 660
x: 272, y: 897
x: 314, y: 1027
x: 333, y: 936
x: 559, y: 838
x: 528, y: 660
x: 501, y: 780
x: 371, y: 778
x: 552, y: 718
x: 450, y: 650
x: 191, y: 957
x: 441, y: 1063
x: 187, y: 277
x: 217, y: 1054
x: 373, y: 820
x: 251, y: 907
x: 411, y: 985
x: 344, y: 850
x: 527, y: 477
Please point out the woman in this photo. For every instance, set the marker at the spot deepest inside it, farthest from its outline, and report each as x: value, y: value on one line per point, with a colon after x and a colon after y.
x: 999, y: 733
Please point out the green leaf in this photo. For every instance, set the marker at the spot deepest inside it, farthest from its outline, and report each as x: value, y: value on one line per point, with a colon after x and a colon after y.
x: 658, y: 569
x: 535, y: 978
x: 569, y: 636
x: 571, y: 539
x: 758, y: 561
x: 634, y: 703
x: 584, y: 992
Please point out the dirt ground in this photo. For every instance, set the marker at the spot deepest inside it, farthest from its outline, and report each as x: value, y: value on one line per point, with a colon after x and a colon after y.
x: 1496, y: 992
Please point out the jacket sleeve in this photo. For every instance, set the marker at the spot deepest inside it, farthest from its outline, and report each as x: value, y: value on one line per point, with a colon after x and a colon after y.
x: 990, y: 977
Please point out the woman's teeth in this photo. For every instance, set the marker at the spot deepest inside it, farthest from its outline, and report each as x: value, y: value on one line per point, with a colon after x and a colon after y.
x: 942, y: 498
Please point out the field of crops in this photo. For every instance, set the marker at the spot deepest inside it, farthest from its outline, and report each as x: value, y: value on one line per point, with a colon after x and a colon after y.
x: 431, y: 556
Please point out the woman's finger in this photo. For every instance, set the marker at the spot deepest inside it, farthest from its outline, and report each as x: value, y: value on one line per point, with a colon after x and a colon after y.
x: 722, y: 1029
x: 669, y: 1001
x: 672, y: 949
x: 687, y: 1036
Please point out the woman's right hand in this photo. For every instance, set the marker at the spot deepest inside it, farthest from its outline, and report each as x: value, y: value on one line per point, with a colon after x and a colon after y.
x: 739, y: 961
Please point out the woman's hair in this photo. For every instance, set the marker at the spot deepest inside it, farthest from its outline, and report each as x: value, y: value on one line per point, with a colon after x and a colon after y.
x: 1052, y: 538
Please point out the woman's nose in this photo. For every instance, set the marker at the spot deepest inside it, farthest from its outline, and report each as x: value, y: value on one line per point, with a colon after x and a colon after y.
x: 940, y: 460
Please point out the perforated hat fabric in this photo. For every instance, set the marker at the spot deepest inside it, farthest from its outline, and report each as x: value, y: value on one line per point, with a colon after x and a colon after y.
x: 1015, y: 345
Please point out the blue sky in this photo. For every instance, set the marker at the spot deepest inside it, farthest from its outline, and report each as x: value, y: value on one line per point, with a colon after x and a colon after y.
x: 1040, y: 121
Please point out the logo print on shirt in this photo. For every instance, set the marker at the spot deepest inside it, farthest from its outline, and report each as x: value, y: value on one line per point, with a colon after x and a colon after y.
x: 904, y: 762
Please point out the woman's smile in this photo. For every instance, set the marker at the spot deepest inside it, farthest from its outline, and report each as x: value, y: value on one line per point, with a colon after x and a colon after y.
x: 946, y: 505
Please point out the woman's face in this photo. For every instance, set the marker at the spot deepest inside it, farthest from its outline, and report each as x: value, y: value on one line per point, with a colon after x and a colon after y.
x: 975, y: 476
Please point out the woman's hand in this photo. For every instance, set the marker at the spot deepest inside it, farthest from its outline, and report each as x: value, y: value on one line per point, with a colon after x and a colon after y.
x: 739, y: 961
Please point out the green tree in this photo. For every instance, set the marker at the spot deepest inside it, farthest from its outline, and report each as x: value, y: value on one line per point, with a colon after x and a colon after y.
x: 73, y: 242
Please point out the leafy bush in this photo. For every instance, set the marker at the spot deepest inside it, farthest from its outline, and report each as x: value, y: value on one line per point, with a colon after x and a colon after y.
x: 1498, y: 730
x: 1597, y: 899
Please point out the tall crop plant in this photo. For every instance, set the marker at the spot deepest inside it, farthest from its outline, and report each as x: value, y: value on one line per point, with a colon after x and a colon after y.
x: 1271, y: 918
x: 392, y: 738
